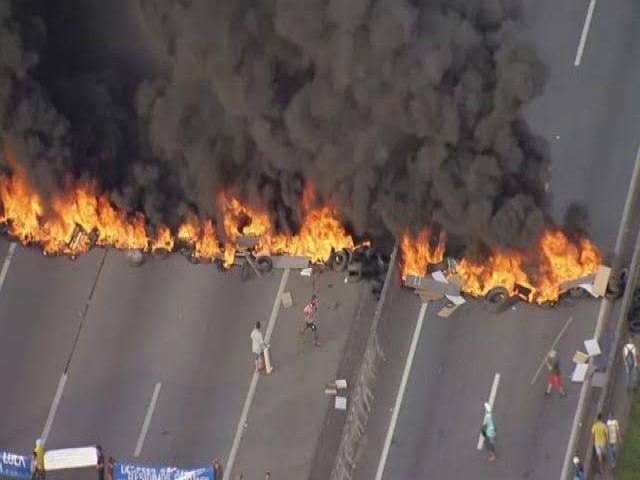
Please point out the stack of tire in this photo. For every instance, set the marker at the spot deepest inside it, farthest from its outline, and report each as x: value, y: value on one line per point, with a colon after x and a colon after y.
x: 617, y: 283
x: 362, y: 263
x: 634, y: 313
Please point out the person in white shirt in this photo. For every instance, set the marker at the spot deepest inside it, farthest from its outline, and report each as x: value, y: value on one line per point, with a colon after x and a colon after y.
x: 615, y: 438
x: 630, y: 359
x: 257, y: 343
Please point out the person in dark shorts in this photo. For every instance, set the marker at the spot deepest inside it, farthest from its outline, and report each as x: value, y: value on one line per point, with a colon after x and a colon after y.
x: 310, y: 310
x: 489, y: 432
x: 110, y: 468
x: 34, y: 465
x: 100, y: 465
x: 217, y: 469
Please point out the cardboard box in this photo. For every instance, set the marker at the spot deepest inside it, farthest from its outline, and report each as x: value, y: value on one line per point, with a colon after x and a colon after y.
x: 580, y: 357
x: 341, y: 384
x: 592, y: 347
x: 580, y: 372
x: 602, y: 280
x: 431, y: 285
x: 427, y: 296
x: 448, y: 309
x: 287, y: 300
x: 340, y: 403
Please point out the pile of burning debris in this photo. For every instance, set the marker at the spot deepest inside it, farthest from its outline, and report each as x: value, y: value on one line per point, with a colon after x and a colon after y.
x: 442, y: 280
x: 82, y: 217
x: 363, y: 262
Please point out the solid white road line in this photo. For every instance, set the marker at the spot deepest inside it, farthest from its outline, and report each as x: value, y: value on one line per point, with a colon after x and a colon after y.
x: 555, y: 342
x: 147, y: 419
x: 400, y: 396
x: 7, y: 262
x: 254, y: 380
x: 585, y: 32
x: 492, y: 399
x: 54, y: 406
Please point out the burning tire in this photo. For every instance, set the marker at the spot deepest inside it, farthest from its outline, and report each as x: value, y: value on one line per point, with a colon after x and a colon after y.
x: 617, y: 284
x: 547, y: 304
x: 339, y: 260
x: 636, y: 299
x: 161, y: 254
x: 264, y: 264
x: 634, y: 325
x: 497, y: 295
x: 134, y: 257
x: 193, y: 259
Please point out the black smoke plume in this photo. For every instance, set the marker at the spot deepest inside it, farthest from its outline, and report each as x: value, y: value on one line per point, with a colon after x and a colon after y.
x: 402, y: 113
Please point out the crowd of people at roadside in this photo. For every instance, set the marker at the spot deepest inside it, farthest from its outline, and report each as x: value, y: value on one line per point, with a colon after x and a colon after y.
x: 105, y: 472
x: 606, y: 435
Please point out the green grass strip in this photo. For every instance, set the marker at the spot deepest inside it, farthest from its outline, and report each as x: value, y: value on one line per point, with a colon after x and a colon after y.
x: 628, y: 466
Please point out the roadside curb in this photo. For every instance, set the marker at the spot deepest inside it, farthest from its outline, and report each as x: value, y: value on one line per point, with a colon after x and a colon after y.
x: 610, y: 372
x: 358, y: 414
x: 604, y: 317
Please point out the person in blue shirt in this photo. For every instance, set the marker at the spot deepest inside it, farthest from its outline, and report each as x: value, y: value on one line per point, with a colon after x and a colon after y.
x: 578, y: 472
x: 489, y: 432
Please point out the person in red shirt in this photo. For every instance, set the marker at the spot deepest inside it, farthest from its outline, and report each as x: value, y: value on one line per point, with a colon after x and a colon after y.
x: 217, y: 469
x: 110, y: 467
x: 310, y: 310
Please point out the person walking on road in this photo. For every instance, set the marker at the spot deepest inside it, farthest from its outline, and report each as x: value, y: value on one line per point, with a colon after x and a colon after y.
x: 39, y: 451
x: 600, y: 436
x: 34, y: 463
x: 615, y: 439
x: 100, y: 465
x: 630, y: 358
x: 554, y: 380
x: 217, y: 469
x: 578, y: 469
x: 258, y: 346
x: 489, y: 432
x: 110, y: 468
x: 310, y: 310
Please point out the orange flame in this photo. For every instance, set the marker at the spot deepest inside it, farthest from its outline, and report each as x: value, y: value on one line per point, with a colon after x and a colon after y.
x: 21, y: 208
x: 163, y: 240
x: 77, y: 219
x: 418, y: 253
x: 320, y: 233
x: 559, y: 260
x: 199, y: 236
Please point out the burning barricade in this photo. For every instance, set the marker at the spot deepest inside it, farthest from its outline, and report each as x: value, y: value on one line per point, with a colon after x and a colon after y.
x: 81, y: 219
x: 556, y: 268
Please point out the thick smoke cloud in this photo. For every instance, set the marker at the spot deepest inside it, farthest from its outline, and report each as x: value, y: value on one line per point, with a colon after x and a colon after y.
x: 402, y: 113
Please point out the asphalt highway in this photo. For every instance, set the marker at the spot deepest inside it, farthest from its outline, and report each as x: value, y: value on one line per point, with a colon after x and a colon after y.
x: 91, y: 348
x: 88, y: 344
x: 588, y: 113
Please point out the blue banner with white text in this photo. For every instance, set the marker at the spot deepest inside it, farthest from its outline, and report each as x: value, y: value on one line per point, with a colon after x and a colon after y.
x: 14, y: 465
x: 146, y: 472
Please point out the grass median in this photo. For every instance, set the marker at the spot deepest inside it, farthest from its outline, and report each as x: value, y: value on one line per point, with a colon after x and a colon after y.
x: 628, y: 467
